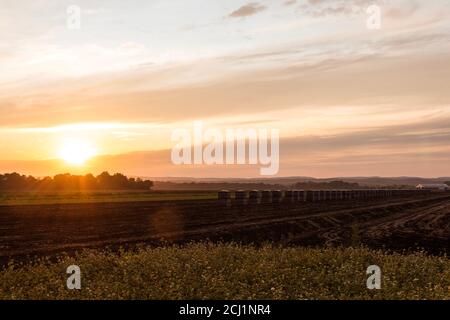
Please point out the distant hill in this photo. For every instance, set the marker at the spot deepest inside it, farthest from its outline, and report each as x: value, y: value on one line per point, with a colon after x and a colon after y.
x: 218, y: 185
x: 286, y: 181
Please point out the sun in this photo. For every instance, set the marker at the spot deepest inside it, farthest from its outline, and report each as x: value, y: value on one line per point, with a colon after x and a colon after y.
x: 76, y: 152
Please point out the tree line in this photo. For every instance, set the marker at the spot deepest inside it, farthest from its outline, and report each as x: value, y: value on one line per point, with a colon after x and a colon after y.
x: 104, y: 181
x: 309, y: 185
x: 336, y: 184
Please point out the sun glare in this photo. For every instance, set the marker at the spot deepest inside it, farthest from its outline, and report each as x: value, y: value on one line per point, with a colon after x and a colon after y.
x: 76, y: 152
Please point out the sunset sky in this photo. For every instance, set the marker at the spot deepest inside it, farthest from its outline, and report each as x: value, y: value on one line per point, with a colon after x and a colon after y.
x: 348, y: 101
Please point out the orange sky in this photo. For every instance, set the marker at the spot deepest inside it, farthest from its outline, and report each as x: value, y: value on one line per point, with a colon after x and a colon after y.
x: 348, y: 101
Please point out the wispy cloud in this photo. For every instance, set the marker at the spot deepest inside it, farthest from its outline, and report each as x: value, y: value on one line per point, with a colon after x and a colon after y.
x: 324, y: 8
x: 290, y: 2
x: 302, y: 84
x: 247, y: 10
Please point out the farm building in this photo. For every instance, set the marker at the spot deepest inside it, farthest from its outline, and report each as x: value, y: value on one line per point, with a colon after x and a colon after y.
x: 435, y: 186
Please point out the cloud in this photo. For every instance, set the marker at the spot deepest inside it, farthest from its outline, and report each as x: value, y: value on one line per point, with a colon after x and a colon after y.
x: 385, y: 141
x: 415, y: 149
x: 402, y: 11
x: 247, y: 10
x: 360, y: 80
x: 412, y: 149
x: 324, y: 8
x: 290, y: 2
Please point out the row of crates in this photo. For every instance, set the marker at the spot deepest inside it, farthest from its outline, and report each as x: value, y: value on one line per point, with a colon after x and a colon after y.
x: 313, y: 195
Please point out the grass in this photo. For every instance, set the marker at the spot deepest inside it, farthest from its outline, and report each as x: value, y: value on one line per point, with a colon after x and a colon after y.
x: 230, y: 271
x: 30, y: 198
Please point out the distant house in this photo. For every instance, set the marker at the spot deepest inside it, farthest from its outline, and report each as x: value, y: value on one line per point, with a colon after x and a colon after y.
x: 434, y: 186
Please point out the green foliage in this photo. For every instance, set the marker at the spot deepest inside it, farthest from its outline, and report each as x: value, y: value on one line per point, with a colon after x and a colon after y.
x: 229, y: 271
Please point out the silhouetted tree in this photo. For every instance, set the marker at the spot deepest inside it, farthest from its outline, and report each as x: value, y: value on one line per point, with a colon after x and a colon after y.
x: 66, y: 181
